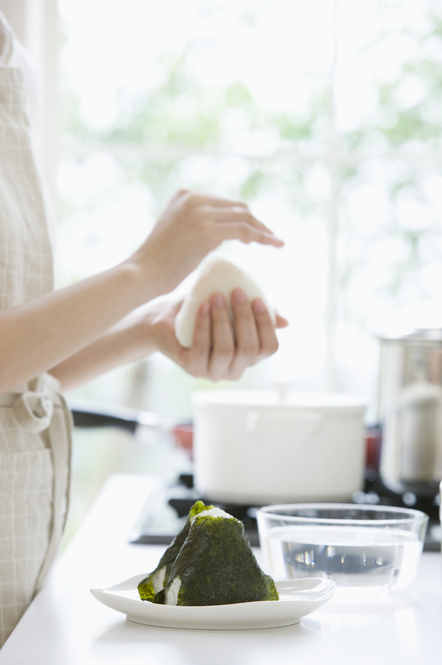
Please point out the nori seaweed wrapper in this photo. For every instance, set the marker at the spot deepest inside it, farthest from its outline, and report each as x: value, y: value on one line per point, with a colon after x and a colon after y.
x: 216, y: 566
x: 146, y: 587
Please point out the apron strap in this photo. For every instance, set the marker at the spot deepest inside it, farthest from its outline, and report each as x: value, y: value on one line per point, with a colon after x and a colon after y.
x: 42, y: 408
x: 60, y: 436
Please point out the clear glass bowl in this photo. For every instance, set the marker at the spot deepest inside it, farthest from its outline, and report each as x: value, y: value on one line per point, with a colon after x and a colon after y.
x: 362, y: 548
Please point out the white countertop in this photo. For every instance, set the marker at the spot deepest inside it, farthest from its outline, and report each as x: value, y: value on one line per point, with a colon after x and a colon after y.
x: 65, y: 625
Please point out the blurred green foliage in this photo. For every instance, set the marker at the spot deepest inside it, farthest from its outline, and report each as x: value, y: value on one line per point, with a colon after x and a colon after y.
x: 381, y: 177
x: 179, y: 117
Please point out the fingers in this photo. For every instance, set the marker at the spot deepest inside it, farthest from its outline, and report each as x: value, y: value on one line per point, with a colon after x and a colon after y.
x: 228, y: 220
x: 239, y: 220
x: 213, y: 346
x: 245, y: 233
x: 221, y: 352
x: 237, y: 213
x: 223, y: 343
x: 266, y: 330
x: 199, y: 353
x: 218, y: 351
x: 233, y: 351
x: 247, y: 339
x: 190, y: 227
x: 217, y: 201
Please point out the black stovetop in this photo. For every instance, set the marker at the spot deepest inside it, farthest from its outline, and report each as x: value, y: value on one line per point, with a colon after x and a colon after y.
x: 166, y: 511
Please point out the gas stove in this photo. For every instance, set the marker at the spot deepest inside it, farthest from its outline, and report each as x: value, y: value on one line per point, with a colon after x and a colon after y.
x: 166, y: 510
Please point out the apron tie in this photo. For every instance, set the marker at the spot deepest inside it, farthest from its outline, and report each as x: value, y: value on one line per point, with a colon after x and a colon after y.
x: 33, y: 411
x: 38, y: 408
x: 34, y: 407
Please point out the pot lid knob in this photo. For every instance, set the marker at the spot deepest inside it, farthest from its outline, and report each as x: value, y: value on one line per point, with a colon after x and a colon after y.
x: 281, y: 388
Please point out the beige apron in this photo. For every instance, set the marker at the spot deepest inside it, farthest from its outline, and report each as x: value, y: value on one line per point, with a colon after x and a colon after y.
x: 35, y: 423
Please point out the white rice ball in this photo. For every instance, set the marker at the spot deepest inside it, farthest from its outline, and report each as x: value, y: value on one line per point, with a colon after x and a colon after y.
x: 216, y: 275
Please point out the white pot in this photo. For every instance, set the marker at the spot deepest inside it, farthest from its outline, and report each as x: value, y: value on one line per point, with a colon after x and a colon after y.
x: 255, y: 448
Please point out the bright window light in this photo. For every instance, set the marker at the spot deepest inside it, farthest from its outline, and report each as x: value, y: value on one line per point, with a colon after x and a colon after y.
x: 323, y: 115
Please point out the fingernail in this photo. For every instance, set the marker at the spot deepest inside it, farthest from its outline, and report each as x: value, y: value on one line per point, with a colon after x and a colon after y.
x: 259, y: 306
x: 275, y: 239
x: 239, y: 296
x: 218, y: 300
x: 204, y: 308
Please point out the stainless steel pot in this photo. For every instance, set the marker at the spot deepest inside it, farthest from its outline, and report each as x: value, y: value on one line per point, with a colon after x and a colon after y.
x: 410, y: 410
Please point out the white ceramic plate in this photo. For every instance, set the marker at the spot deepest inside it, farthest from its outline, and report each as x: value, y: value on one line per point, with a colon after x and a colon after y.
x: 297, y: 599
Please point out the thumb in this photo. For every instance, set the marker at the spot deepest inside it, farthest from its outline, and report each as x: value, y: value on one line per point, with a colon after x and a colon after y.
x: 281, y: 322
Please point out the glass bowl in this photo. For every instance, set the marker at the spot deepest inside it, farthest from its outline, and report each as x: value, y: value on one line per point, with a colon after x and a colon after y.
x: 363, y: 548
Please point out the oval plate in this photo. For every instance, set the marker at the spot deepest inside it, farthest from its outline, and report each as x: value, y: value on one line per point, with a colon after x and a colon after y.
x: 297, y: 599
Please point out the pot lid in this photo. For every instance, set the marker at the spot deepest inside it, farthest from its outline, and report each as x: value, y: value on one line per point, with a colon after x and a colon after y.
x: 416, y: 336
x: 417, y: 323
x: 292, y: 400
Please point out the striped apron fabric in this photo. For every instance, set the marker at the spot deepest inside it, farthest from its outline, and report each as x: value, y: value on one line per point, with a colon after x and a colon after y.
x: 35, y: 423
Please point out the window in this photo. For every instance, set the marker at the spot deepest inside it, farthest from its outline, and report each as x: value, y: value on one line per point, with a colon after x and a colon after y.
x: 323, y: 116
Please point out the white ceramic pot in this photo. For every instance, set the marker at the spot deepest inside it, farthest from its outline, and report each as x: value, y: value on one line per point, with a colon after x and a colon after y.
x: 255, y: 448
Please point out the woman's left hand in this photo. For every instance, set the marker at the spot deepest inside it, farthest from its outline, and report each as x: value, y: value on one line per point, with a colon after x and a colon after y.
x: 218, y: 351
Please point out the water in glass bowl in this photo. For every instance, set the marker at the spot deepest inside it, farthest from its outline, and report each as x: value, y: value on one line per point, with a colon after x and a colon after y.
x: 353, y: 557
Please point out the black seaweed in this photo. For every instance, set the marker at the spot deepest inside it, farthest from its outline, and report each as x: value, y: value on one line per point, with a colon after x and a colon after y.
x: 217, y: 566
x: 145, y: 587
x: 213, y: 559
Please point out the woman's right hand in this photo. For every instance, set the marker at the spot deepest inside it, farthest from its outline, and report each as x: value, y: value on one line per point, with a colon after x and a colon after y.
x: 191, y: 226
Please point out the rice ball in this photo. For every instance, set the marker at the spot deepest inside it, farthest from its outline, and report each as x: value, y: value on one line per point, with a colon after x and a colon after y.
x: 215, y: 275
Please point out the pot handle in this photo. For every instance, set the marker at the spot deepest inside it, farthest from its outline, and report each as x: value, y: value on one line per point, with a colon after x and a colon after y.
x: 300, y: 423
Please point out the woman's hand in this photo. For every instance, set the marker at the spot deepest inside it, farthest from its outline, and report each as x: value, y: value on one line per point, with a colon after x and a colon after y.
x: 218, y: 351
x: 191, y: 226
x: 81, y: 330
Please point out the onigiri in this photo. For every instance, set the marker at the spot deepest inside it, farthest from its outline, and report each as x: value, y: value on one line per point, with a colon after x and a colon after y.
x: 210, y: 562
x: 215, y: 275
